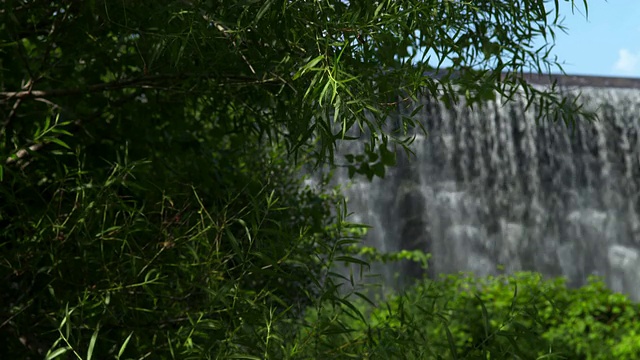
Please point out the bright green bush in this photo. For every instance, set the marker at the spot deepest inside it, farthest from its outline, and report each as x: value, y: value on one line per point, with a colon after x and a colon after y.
x: 521, y: 316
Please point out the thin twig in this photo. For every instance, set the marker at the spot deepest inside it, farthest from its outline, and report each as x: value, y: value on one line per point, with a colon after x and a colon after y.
x: 22, y: 153
x: 12, y: 113
x: 225, y: 32
x: 114, y: 85
x: 150, y: 81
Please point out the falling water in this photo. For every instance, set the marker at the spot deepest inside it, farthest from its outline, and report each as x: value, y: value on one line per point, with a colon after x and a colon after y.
x: 488, y: 186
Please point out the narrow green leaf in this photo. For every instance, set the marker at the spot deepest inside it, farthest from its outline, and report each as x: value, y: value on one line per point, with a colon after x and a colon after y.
x: 309, y: 66
x: 365, y: 298
x: 323, y: 93
x: 244, y: 356
x: 352, y: 260
x: 353, y: 308
x: 124, y: 346
x: 416, y: 110
x: 60, y: 142
x: 515, y: 299
x: 452, y: 343
x: 263, y: 10
x: 485, y: 316
x: 66, y: 323
x: 92, y: 342
x: 47, y: 124
x: 57, y: 352
x: 314, y: 62
x: 586, y: 9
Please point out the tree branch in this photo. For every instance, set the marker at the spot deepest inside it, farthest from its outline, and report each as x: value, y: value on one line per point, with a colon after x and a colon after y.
x: 114, y: 85
x: 23, y: 153
x: 149, y: 80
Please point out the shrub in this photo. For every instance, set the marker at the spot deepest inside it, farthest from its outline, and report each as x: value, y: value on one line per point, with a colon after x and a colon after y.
x: 519, y: 316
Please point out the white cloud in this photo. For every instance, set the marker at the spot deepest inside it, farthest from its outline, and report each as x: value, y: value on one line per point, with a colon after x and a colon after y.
x: 628, y: 62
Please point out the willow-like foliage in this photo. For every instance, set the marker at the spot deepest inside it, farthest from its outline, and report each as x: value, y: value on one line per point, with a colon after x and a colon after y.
x: 151, y: 204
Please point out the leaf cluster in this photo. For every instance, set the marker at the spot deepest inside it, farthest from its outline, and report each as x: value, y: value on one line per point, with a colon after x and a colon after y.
x: 519, y: 316
x: 151, y: 203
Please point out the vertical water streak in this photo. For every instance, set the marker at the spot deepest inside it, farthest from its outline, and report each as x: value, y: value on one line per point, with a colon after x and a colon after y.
x: 490, y: 186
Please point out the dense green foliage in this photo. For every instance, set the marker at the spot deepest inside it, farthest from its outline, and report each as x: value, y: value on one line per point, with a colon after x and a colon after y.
x: 151, y: 197
x: 504, y: 317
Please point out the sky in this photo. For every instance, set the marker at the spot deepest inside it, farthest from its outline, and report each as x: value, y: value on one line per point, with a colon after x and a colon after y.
x: 607, y: 43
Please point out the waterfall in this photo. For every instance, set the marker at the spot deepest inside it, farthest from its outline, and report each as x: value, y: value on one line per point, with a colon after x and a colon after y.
x: 488, y: 186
